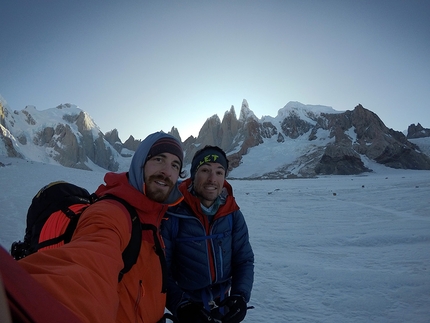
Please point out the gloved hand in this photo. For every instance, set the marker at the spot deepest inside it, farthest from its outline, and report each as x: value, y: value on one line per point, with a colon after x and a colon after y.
x: 190, y: 312
x: 237, y: 307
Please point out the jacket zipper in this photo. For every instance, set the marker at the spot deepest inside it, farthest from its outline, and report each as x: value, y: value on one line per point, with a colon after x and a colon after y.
x: 221, y: 259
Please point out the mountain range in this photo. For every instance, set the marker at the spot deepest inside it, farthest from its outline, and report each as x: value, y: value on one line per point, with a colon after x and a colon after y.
x: 301, y: 141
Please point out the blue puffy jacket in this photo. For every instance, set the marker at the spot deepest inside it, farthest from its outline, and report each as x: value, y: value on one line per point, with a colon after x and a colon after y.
x: 206, y: 260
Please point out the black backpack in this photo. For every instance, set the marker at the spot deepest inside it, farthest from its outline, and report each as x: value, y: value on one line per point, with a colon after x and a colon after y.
x: 67, y: 201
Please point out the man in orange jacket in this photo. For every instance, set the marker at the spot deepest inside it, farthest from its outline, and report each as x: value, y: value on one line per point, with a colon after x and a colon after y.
x: 83, y: 274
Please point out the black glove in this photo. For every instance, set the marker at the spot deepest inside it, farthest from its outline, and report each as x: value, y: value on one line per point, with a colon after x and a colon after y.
x: 190, y: 312
x: 236, y: 309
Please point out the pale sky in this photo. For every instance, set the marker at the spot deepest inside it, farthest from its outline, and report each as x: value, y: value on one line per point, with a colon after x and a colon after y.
x: 145, y: 66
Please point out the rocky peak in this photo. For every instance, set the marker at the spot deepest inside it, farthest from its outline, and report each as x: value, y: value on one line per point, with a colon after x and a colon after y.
x: 112, y: 137
x: 3, y: 112
x: 229, y: 128
x: 367, y: 124
x: 175, y: 133
x: 82, y: 120
x: 417, y: 131
x: 210, y: 134
x: 374, y: 140
x: 131, y: 143
x: 246, y: 113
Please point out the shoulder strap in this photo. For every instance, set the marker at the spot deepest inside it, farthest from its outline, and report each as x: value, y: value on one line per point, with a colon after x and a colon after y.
x: 66, y: 236
x: 159, y: 251
x: 131, y: 252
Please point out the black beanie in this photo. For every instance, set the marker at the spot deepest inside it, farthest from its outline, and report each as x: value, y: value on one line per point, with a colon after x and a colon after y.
x: 209, y: 154
x: 166, y: 145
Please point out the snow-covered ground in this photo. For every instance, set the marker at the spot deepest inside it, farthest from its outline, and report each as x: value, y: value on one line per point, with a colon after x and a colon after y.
x: 343, y: 249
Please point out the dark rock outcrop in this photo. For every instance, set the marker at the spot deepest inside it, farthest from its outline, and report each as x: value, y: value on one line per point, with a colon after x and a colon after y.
x: 131, y: 143
x: 417, y: 131
x: 340, y: 160
x: 112, y: 137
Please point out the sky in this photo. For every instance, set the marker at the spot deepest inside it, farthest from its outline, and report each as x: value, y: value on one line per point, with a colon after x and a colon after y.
x: 145, y: 66
x: 359, y: 256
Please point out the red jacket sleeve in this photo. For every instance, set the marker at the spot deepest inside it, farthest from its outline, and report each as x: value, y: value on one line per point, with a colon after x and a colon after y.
x: 83, y: 274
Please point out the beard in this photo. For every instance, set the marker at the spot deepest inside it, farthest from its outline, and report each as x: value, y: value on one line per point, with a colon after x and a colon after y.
x: 154, y: 191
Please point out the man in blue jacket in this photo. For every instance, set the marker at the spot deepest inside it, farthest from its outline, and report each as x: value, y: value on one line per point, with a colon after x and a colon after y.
x: 209, y: 257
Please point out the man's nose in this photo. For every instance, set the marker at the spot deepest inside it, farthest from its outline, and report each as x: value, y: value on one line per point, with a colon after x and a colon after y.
x: 211, y: 176
x: 166, y: 170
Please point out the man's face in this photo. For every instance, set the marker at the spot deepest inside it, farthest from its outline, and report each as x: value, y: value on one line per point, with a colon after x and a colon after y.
x: 208, y: 182
x: 161, y: 174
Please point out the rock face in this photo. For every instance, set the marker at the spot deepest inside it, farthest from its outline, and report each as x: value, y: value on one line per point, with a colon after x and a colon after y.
x: 65, y: 135
x: 352, y: 135
x: 340, y: 160
x: 417, y: 131
x: 305, y: 140
x: 3, y: 111
x: 6, y: 139
x: 373, y: 139
x: 131, y: 143
x: 112, y: 137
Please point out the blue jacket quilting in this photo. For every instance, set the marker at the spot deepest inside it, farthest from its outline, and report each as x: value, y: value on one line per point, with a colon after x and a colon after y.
x: 205, y: 259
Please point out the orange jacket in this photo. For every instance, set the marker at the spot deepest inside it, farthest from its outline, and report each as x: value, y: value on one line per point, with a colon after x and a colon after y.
x: 83, y: 274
